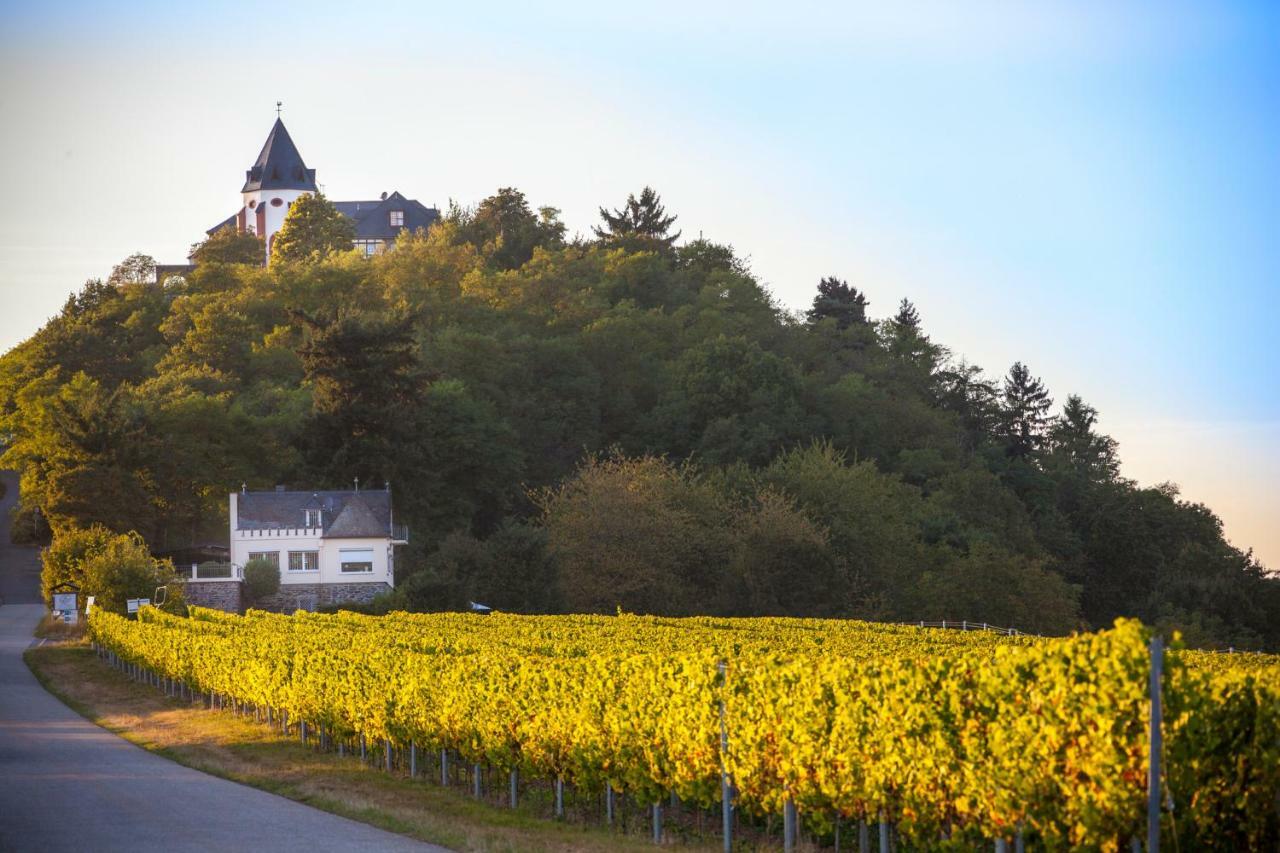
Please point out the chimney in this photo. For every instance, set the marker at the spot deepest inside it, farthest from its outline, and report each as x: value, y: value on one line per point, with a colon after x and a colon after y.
x: 384, y: 195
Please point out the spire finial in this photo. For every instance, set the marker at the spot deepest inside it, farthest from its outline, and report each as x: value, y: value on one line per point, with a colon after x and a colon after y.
x: 279, y: 104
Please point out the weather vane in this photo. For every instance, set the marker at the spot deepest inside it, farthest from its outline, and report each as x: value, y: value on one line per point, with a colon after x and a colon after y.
x: 279, y: 104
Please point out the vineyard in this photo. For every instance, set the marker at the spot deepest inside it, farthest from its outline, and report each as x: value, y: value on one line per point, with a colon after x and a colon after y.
x: 950, y: 738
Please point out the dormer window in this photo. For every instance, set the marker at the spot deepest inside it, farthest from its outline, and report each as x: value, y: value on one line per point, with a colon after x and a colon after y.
x: 397, y: 218
x: 313, y: 518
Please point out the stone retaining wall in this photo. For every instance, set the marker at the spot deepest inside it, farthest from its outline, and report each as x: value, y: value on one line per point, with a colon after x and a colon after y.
x: 310, y: 596
x: 218, y: 595
x: 229, y: 595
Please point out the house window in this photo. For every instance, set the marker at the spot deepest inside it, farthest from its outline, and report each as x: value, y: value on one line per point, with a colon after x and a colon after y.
x: 356, y: 561
x: 313, y: 518
x: 397, y: 219
x: 368, y: 247
x: 272, y: 557
x: 304, y: 561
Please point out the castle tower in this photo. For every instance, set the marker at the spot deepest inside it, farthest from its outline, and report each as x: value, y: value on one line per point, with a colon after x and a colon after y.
x: 276, y: 179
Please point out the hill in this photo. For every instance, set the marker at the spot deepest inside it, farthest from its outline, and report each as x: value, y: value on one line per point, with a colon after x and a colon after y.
x: 581, y: 424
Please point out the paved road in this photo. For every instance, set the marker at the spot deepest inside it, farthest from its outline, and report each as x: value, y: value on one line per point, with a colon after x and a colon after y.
x: 66, y: 784
x: 19, y: 565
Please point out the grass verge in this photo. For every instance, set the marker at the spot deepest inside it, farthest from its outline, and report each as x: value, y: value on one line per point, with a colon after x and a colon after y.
x: 225, y: 744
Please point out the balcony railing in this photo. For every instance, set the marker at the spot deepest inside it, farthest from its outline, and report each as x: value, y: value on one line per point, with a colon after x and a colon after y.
x: 211, y: 572
x: 399, y: 533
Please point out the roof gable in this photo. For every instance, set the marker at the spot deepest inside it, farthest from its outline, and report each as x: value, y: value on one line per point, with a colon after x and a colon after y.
x: 279, y: 165
x: 373, y: 218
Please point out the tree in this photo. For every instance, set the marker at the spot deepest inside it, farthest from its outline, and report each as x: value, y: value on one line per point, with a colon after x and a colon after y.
x: 641, y: 225
x: 364, y: 380
x: 111, y: 567
x: 1025, y: 412
x: 641, y: 534
x: 261, y: 579
x: 506, y: 230
x: 228, y: 245
x: 312, y: 230
x: 137, y: 269
x: 64, y: 560
x: 1073, y: 439
x: 837, y: 301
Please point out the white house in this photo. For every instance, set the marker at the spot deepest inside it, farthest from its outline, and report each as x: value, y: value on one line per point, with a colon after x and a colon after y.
x: 331, y: 547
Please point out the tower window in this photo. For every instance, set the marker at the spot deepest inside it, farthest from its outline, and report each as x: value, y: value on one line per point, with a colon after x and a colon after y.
x: 253, y: 203
x: 277, y: 201
x: 397, y: 219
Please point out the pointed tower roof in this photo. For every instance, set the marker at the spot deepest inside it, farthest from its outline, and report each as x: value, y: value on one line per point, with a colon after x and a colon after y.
x: 279, y: 166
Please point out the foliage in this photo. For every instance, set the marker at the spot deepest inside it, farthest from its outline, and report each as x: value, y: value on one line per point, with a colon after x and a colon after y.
x: 312, y: 230
x: 110, y: 567
x: 746, y: 461
x: 261, y: 579
x: 642, y: 224
x: 972, y: 734
x: 227, y: 245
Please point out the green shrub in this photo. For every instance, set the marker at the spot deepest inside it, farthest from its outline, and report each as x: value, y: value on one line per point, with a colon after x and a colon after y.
x: 261, y: 579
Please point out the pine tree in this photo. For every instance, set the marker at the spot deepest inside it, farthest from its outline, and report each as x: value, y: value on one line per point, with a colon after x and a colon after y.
x: 641, y: 224
x: 837, y: 300
x: 1026, y: 412
x: 1074, y: 439
x: 907, y: 320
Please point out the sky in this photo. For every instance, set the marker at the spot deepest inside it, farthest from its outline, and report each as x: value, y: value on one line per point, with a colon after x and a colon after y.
x: 1090, y: 188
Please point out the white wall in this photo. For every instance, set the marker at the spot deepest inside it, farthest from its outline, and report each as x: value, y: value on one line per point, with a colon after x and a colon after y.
x: 246, y: 542
x: 274, y: 215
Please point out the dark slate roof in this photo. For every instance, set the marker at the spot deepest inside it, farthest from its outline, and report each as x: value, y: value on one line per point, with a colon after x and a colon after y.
x: 279, y: 166
x: 230, y: 220
x: 343, y: 514
x: 373, y: 218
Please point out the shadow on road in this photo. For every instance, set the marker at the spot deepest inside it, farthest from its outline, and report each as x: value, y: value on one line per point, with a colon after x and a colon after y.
x: 19, y: 564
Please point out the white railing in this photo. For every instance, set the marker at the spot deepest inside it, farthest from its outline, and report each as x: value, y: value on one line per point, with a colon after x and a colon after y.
x: 220, y: 572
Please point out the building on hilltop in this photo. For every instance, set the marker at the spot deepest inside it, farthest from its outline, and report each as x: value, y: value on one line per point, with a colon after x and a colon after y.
x: 331, y: 547
x: 279, y: 177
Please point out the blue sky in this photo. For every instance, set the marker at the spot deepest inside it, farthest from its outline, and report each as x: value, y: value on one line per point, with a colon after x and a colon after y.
x: 1092, y: 188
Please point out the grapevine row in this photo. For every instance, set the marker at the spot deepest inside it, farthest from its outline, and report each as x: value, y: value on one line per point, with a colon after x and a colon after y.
x: 946, y: 734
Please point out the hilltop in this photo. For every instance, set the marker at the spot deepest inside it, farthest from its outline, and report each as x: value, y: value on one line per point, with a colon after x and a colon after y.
x: 620, y: 420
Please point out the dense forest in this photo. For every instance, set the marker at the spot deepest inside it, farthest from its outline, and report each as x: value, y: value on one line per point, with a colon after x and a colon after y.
x: 620, y: 420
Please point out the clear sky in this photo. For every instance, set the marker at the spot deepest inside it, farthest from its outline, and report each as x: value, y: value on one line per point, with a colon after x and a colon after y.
x: 1091, y: 188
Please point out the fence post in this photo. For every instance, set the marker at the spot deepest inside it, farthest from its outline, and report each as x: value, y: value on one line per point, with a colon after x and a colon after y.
x: 559, y: 796
x: 413, y: 760
x: 608, y: 803
x: 657, y: 822
x: 386, y: 750
x: 864, y: 837
x: 1155, y: 740
x: 477, y: 781
x: 515, y: 785
x: 884, y: 833
x: 789, y: 825
x: 444, y: 768
x: 726, y: 789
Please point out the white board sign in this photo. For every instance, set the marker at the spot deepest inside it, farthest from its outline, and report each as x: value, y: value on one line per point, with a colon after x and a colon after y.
x: 64, y: 601
x: 132, y: 604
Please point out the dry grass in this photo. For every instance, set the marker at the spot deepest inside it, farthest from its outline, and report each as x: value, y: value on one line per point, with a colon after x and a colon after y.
x: 234, y: 747
x: 53, y: 628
